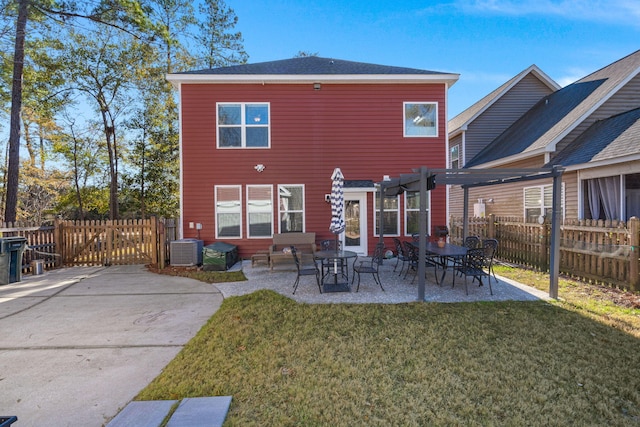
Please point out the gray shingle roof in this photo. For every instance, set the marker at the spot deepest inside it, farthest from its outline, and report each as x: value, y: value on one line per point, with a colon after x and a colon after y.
x: 554, y: 116
x: 310, y: 65
x: 604, y: 140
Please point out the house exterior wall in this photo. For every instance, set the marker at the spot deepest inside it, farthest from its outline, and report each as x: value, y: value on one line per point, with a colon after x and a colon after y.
x: 357, y: 127
x: 507, y: 199
x: 503, y: 113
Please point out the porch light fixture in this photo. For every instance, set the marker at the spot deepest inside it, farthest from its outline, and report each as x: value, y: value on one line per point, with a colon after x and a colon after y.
x: 260, y: 167
x: 317, y: 86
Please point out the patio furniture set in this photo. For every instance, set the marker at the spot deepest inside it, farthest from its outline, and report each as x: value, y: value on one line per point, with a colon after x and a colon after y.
x: 330, y: 265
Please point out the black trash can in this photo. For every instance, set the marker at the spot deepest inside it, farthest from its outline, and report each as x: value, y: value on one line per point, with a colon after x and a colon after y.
x: 219, y: 256
x: 11, y: 249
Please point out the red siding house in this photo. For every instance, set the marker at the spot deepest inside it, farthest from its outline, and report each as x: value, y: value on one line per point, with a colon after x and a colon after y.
x: 259, y: 143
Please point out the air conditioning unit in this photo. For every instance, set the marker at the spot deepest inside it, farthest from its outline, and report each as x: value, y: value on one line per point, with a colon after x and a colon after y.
x: 186, y: 252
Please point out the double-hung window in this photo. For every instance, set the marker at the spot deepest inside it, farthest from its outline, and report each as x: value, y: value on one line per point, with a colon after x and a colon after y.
x: 259, y: 211
x: 291, y: 208
x: 412, y: 212
x: 455, y: 156
x: 538, y: 202
x: 420, y: 119
x: 228, y: 200
x: 390, y: 212
x: 243, y: 125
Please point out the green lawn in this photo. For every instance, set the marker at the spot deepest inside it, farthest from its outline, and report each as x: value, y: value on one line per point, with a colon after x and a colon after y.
x: 570, y: 362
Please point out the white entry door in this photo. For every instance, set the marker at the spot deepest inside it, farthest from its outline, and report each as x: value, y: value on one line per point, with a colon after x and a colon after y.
x: 355, y: 218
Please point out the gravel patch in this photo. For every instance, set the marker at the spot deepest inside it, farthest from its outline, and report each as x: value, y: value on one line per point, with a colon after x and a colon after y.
x: 398, y: 289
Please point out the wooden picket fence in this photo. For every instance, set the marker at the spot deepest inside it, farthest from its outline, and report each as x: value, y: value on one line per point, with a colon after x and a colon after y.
x: 605, y: 252
x: 68, y: 243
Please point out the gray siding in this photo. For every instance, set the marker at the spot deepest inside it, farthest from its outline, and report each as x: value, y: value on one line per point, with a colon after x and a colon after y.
x: 503, y: 113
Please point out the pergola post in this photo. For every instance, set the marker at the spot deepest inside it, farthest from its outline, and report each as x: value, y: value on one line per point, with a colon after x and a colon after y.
x: 554, y: 255
x: 422, y: 230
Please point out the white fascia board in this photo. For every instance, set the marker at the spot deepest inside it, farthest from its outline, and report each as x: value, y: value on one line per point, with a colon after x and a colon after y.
x: 448, y: 79
x: 510, y: 159
x: 631, y: 165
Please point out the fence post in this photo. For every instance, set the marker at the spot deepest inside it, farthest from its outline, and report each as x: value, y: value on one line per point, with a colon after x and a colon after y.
x: 491, y: 226
x: 58, y: 240
x: 634, y: 257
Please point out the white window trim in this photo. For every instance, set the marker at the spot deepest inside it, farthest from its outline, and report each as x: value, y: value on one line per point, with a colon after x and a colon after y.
x: 376, y: 222
x: 215, y: 194
x: 404, y: 127
x: 243, y: 126
x: 406, y: 209
x: 304, y: 206
x: 248, y: 212
x: 542, y: 206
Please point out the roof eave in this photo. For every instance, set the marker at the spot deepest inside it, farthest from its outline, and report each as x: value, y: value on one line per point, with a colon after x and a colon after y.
x: 511, y: 159
x: 601, y: 163
x: 448, y: 79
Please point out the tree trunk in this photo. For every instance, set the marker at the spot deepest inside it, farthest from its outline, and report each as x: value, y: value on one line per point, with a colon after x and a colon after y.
x: 13, y: 168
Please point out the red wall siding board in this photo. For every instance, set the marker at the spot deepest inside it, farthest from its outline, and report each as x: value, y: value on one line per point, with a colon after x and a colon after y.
x: 358, y: 128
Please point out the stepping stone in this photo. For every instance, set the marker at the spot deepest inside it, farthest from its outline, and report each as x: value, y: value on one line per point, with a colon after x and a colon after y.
x: 201, y: 412
x: 143, y: 413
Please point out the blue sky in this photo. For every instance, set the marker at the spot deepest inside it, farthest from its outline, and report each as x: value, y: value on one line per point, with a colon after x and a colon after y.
x: 485, y: 41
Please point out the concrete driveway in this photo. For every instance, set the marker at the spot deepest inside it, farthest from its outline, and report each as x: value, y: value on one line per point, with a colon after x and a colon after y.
x: 77, y: 344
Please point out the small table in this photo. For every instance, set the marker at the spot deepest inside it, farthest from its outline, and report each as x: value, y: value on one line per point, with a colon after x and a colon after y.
x: 447, y: 252
x: 260, y: 256
x: 335, y: 286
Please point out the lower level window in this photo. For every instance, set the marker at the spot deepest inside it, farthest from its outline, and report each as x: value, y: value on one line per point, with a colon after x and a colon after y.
x: 412, y: 213
x: 538, y: 202
x: 228, y: 201
x: 291, y: 208
x: 259, y: 211
x: 390, y: 215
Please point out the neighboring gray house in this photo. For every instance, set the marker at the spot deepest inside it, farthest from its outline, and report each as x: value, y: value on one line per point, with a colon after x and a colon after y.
x: 477, y: 126
x: 590, y: 127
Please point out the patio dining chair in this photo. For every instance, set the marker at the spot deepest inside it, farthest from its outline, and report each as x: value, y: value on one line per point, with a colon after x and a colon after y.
x: 310, y: 269
x: 473, y: 265
x: 413, y: 254
x: 369, y: 266
x: 490, y: 247
x: 471, y: 242
x: 400, y: 255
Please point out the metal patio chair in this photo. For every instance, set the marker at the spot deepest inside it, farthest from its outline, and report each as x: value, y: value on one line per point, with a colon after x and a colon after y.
x: 305, y: 270
x: 473, y: 265
x: 369, y: 266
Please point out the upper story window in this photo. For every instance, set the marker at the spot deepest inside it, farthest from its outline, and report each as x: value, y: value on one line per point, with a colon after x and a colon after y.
x: 420, y: 119
x: 455, y: 156
x: 243, y: 125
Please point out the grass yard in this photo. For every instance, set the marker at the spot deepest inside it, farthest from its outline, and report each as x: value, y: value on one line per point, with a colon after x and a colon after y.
x: 570, y: 362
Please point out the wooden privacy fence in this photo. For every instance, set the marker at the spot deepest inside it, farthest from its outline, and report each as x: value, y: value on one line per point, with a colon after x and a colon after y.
x: 122, y: 242
x: 598, y: 251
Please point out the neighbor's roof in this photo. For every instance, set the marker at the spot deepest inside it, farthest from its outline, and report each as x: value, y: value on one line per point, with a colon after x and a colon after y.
x: 311, y: 69
x: 553, y: 117
x: 467, y: 116
x: 604, y: 140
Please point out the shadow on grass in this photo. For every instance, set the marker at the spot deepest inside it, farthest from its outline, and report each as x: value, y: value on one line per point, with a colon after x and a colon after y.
x: 486, y: 363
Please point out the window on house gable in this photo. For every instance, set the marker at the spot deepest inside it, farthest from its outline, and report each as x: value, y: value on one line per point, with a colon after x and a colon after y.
x: 538, y: 201
x: 412, y: 212
x: 243, y: 125
x: 291, y: 208
x: 420, y: 119
x: 455, y: 156
x: 391, y: 208
x: 259, y: 211
x: 228, y: 201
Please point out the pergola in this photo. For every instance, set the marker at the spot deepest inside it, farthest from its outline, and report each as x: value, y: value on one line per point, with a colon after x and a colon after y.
x: 424, y: 179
